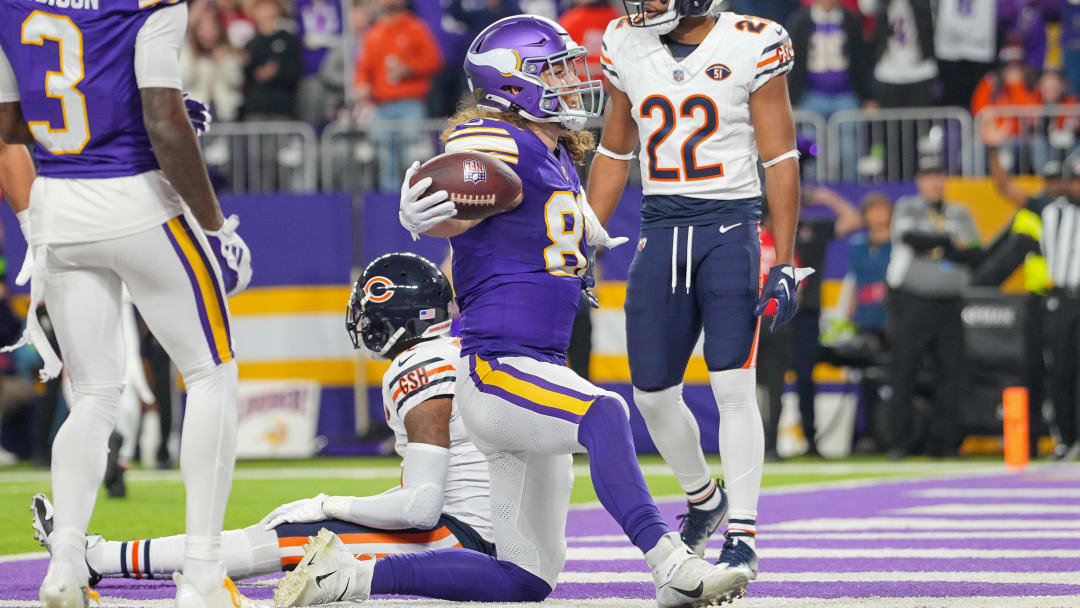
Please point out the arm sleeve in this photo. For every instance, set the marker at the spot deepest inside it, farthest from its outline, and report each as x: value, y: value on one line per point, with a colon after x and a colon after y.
x: 777, y: 56
x: 416, y: 504
x: 9, y: 89
x: 157, y: 48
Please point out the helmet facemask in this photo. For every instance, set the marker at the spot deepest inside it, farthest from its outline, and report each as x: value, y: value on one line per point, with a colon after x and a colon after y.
x: 661, y: 24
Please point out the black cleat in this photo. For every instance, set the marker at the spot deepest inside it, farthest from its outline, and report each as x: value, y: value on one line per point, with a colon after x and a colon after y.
x: 114, y: 473
x: 42, y: 523
x: 697, y: 525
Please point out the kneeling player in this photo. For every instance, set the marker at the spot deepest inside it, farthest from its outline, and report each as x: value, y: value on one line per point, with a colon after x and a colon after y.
x: 399, y: 309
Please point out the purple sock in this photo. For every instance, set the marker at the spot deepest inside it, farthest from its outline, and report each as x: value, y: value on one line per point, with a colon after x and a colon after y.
x: 459, y: 575
x: 616, y: 476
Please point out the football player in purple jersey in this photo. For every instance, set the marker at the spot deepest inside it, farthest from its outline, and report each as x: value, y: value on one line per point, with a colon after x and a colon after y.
x: 518, y: 278
x: 122, y: 198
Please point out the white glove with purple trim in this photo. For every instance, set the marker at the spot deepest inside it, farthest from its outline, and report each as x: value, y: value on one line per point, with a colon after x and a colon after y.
x: 232, y: 254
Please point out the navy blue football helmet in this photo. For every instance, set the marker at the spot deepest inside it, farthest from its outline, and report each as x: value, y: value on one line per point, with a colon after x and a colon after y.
x: 667, y: 20
x: 400, y: 299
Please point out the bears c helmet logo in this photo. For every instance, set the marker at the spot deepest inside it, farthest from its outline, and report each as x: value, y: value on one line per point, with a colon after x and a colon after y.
x: 379, y: 289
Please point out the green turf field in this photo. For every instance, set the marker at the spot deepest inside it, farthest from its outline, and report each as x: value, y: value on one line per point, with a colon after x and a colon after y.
x: 155, y: 502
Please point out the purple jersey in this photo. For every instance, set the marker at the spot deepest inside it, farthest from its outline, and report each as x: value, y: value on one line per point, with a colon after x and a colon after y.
x: 517, y: 275
x: 74, y: 62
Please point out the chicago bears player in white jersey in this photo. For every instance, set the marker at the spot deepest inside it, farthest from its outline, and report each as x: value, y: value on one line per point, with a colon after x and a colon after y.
x: 518, y: 280
x: 122, y: 197
x: 705, y: 96
x: 443, y: 498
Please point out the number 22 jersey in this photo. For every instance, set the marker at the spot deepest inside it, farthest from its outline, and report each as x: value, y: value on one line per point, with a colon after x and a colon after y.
x: 698, y: 153
x: 517, y: 275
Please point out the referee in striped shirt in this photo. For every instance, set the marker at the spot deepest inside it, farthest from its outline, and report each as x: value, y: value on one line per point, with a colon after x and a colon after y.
x: 1061, y: 246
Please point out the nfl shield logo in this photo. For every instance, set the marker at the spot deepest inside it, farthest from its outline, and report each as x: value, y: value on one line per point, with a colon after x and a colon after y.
x: 473, y: 171
x: 678, y: 75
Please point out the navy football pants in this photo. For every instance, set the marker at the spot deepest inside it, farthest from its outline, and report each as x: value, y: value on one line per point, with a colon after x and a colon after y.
x: 665, y: 313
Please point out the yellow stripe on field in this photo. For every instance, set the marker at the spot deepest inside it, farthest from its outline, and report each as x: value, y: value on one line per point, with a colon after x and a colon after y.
x: 308, y: 299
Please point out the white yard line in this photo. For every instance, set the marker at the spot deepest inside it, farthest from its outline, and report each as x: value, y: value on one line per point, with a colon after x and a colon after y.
x: 1054, y: 578
x: 765, y: 535
x: 843, y: 524
x: 1004, y: 508
x: 1013, y: 492
x: 765, y: 552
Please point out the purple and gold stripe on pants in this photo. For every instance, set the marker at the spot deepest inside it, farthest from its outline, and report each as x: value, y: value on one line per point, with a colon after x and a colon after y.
x: 528, y: 391
x: 210, y: 302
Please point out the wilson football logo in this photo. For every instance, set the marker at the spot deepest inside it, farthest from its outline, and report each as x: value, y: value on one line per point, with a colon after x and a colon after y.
x: 718, y: 71
x: 473, y: 171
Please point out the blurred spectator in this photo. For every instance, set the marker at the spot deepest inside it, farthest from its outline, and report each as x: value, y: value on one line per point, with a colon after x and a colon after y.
x: 933, y: 242
x: 831, y: 71
x: 273, y: 67
x: 238, y: 25
x: 1025, y: 21
x: 905, y: 70
x: 1055, y: 136
x: 319, y: 24
x: 585, y: 23
x: 475, y: 15
x: 210, y: 69
x: 965, y: 40
x: 1070, y: 42
x: 811, y: 243
x: 470, y: 17
x: 332, y: 76
x: 399, y: 59
x: 1012, y: 85
x: 868, y: 259
x: 867, y: 21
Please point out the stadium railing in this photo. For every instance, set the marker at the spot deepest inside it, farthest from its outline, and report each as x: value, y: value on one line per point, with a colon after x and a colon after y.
x: 886, y: 145
x: 263, y: 157
x: 1040, y: 134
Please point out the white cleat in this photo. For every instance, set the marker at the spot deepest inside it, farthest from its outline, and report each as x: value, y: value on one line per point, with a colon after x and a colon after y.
x: 685, y: 580
x: 65, y: 586
x: 224, y: 596
x: 328, y: 573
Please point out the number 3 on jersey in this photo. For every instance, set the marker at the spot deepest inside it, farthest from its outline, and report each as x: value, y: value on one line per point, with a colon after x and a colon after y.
x: 75, y: 134
x: 565, y: 227
x: 691, y: 171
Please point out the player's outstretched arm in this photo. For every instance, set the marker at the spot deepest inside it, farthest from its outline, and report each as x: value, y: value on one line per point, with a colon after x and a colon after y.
x: 16, y: 174
x: 177, y: 151
x: 611, y: 163
x: 416, y: 504
x: 774, y: 130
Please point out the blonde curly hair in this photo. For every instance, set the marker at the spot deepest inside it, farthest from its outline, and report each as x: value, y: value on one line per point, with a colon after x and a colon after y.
x: 577, y: 143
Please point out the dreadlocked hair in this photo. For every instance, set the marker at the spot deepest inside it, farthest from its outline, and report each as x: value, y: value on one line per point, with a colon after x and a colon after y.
x: 577, y: 143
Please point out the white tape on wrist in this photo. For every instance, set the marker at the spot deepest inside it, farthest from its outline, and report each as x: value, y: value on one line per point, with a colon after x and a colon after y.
x: 610, y: 154
x: 779, y: 159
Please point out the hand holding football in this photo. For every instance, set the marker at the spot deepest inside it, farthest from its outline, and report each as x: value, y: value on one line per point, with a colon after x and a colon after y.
x: 478, y: 184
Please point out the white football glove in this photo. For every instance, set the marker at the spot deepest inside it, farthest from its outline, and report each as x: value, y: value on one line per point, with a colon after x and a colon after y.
x: 232, y: 254
x: 301, y: 511
x: 28, y: 261
x: 418, y: 215
x: 595, y: 233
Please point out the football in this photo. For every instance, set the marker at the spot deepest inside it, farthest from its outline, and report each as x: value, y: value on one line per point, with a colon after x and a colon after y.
x: 479, y: 184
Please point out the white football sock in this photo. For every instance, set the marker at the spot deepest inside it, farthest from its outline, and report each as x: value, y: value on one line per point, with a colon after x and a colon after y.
x: 79, y: 453
x: 252, y: 551
x: 742, y: 439
x: 675, y: 432
x: 207, y: 457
